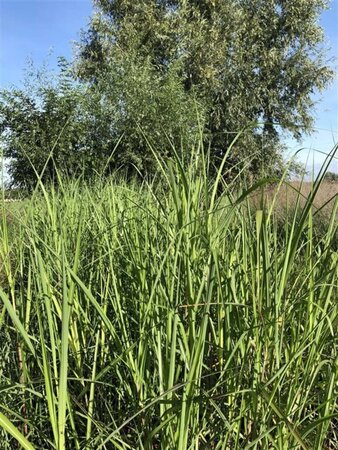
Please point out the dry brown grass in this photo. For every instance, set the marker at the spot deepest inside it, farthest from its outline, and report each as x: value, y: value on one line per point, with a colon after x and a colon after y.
x: 289, y: 192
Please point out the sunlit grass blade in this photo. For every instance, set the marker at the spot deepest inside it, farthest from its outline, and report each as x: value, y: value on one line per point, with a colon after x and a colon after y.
x: 7, y: 425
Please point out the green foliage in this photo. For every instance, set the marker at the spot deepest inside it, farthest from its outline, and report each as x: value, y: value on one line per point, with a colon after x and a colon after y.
x: 50, y: 125
x: 158, y: 74
x: 147, y: 109
x: 244, y: 62
x: 331, y: 177
x: 136, y: 320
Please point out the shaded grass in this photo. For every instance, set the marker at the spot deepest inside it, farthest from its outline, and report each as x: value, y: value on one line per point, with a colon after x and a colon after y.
x: 134, y: 319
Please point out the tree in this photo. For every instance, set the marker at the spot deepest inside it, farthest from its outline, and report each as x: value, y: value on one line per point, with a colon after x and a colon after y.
x: 148, y: 102
x: 331, y: 177
x: 243, y: 62
x: 53, y: 124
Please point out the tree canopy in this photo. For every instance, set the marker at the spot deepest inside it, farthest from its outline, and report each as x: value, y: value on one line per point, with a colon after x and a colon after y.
x: 244, y: 62
x: 50, y: 124
x: 157, y: 71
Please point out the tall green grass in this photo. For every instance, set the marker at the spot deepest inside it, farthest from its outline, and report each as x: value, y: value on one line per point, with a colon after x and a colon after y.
x: 167, y: 317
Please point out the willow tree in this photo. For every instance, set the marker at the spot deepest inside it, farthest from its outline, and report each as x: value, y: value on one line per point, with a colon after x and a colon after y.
x: 235, y: 63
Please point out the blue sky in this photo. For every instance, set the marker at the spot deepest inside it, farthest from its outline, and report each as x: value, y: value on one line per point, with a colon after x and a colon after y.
x: 326, y: 134
x: 35, y: 28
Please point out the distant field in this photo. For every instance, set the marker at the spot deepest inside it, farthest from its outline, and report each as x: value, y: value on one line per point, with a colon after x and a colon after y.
x: 287, y: 195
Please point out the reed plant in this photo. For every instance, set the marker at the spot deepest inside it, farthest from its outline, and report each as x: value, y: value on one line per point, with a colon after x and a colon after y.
x: 167, y: 315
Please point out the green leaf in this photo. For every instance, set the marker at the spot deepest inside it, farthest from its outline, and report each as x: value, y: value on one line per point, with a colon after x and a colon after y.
x: 7, y: 425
